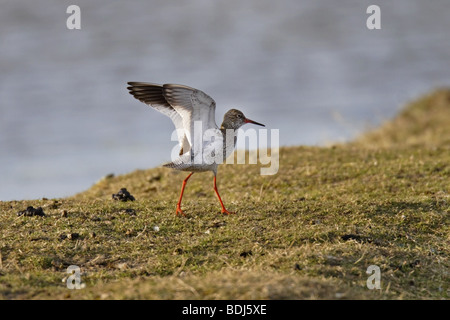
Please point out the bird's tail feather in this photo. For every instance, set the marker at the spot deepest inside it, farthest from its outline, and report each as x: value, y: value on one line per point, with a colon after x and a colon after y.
x: 180, y: 163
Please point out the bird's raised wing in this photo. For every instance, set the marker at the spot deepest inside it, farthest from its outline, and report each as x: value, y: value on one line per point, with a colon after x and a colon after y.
x: 153, y: 95
x: 188, y: 108
x: 195, y: 107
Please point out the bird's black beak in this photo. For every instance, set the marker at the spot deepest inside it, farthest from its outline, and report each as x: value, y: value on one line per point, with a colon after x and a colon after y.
x: 254, y: 122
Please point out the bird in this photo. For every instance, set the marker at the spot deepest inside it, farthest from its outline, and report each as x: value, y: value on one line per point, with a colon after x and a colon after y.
x: 191, y: 109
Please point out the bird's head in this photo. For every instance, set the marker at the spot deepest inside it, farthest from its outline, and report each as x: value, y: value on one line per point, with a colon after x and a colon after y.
x: 234, y: 119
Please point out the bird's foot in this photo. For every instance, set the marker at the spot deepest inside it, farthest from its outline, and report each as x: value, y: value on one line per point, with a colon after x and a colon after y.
x: 180, y: 212
x: 225, y: 211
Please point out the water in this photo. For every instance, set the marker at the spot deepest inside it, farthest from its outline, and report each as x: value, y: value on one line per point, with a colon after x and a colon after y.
x: 309, y: 68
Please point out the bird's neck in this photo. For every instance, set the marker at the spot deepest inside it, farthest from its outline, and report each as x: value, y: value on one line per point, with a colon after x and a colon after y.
x: 228, y: 132
x: 229, y: 139
x: 225, y: 125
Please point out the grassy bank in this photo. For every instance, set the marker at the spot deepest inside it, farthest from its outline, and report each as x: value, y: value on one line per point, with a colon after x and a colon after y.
x: 310, y: 231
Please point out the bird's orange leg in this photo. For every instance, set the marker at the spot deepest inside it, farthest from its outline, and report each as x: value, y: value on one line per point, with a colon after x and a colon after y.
x: 220, y: 200
x: 179, y: 211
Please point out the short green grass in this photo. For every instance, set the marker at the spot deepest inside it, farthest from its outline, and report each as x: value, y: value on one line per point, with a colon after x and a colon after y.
x: 308, y: 232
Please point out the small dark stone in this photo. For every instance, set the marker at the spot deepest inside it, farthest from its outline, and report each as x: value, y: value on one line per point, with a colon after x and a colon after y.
x: 130, y: 211
x: 73, y: 236
x: 70, y: 236
x: 355, y: 237
x: 414, y: 263
x: 30, y: 211
x: 123, y: 195
x: 178, y: 251
x: 245, y: 254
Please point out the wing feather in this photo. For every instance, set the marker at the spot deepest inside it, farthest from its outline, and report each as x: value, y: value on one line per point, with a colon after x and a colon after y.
x: 153, y: 95
x: 186, y: 106
x: 195, y: 107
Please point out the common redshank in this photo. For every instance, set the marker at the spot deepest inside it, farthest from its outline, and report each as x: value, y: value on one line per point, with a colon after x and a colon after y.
x: 188, y: 108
